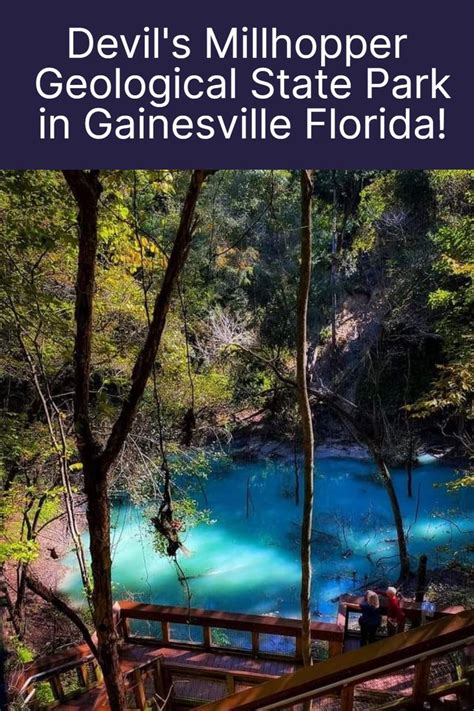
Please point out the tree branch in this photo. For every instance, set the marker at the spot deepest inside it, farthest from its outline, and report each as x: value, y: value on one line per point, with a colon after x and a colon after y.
x: 146, y: 358
x: 46, y: 594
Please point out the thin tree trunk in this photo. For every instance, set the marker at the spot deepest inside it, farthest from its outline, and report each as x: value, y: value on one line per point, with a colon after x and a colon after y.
x: 409, y: 468
x: 305, y: 411
x: 397, y: 514
x: 362, y: 428
x: 4, y: 646
x: 409, y: 462
x: 9, y: 602
x: 19, y: 609
x: 333, y: 273
x: 146, y: 358
x: 49, y: 409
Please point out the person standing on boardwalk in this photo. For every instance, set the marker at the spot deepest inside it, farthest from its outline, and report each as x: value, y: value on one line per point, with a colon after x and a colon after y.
x: 370, y: 619
x: 395, y: 615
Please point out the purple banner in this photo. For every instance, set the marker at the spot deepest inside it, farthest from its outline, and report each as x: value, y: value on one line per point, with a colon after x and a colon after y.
x: 241, y: 85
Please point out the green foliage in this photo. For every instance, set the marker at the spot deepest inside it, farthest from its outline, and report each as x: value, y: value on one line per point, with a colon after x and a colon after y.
x: 44, y: 695
x: 453, y: 299
x: 219, y: 638
x: 375, y: 200
x: 189, y: 514
x: 19, y: 551
x: 452, y: 390
x: 18, y: 543
x: 453, y: 586
x: 23, y: 653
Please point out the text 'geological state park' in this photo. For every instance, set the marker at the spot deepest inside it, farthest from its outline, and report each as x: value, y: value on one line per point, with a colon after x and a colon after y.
x: 263, y: 83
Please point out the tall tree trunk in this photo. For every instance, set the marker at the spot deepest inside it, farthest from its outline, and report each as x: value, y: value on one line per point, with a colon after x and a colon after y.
x: 409, y: 461
x: 19, y: 609
x: 305, y: 411
x: 86, y: 189
x: 4, y: 647
x: 97, y: 462
x: 98, y: 518
x: 397, y: 514
x: 409, y: 468
x: 333, y: 272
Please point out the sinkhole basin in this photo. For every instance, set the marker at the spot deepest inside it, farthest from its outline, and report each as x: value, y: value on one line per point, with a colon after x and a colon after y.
x: 248, y: 559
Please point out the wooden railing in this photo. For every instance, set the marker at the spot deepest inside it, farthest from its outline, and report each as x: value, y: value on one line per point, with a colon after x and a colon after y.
x: 74, y: 671
x: 59, y: 678
x: 63, y: 683
x: 407, y: 658
x: 418, y: 664
x: 253, y: 635
x: 173, y: 684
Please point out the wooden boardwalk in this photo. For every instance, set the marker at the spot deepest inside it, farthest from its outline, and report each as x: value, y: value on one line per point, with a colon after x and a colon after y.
x: 206, y: 670
x: 188, y: 686
x: 231, y: 662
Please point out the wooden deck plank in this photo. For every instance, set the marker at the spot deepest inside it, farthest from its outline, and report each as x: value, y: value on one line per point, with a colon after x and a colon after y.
x: 205, y: 690
x: 210, y: 659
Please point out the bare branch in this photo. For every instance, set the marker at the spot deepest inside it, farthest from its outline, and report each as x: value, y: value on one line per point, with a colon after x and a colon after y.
x: 48, y: 595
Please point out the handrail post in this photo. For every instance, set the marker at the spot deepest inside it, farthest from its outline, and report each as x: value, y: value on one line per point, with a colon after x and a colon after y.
x: 167, y: 679
x: 346, y: 621
x: 421, y: 579
x: 124, y: 627
x: 207, y: 636
x: 83, y: 676
x: 299, y: 647
x: 420, y: 587
x: 421, y: 682
x: 230, y: 684
x: 57, y: 688
x: 255, y: 643
x: 159, y: 680
x: 139, y: 689
x: 347, y: 698
x: 165, y: 630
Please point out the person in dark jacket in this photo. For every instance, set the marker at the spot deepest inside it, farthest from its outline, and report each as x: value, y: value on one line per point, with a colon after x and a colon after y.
x: 370, y: 619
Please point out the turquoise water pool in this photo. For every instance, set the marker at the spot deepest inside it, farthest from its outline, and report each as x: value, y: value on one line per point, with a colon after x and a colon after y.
x: 248, y: 559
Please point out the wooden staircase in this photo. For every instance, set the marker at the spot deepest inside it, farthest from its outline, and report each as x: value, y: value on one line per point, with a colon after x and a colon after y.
x: 426, y: 668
